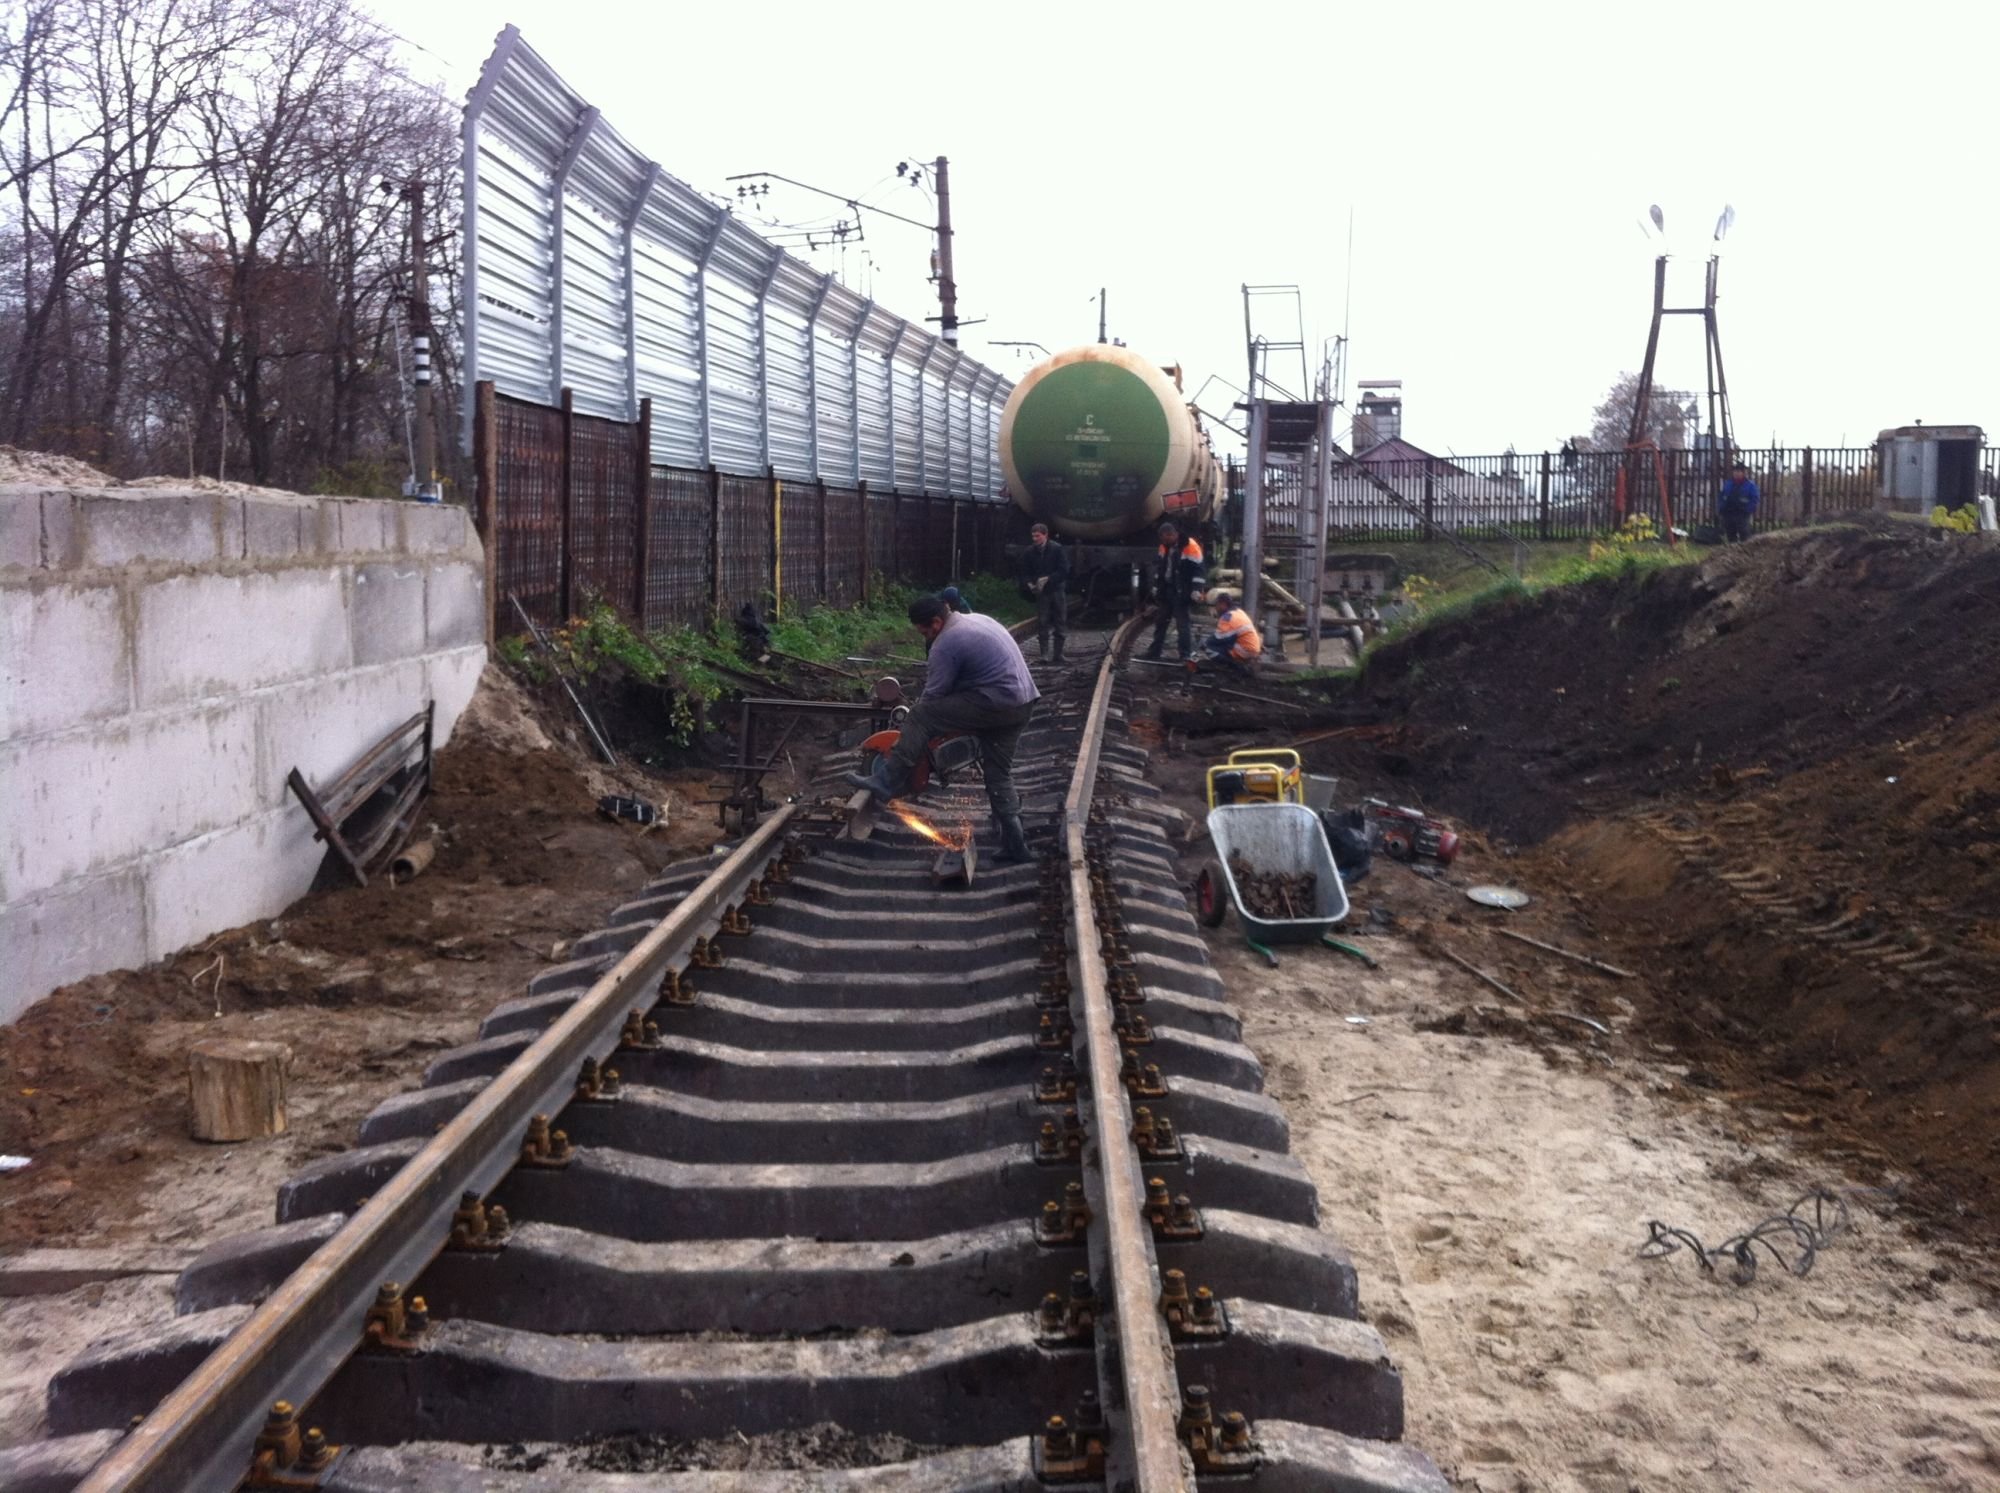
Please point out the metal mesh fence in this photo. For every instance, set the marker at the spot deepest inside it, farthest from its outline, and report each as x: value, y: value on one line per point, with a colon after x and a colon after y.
x: 882, y: 534
x: 846, y: 560
x: 912, y: 533
x: 743, y: 541
x: 801, y: 541
x: 677, y: 582
x: 603, y: 523
x: 938, y: 567
x: 528, y: 539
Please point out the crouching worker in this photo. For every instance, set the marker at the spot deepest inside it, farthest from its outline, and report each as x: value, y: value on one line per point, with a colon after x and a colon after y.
x: 1235, y: 640
x: 978, y: 685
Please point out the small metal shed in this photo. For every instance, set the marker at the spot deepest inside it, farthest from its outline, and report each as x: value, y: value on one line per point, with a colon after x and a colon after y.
x: 1927, y: 466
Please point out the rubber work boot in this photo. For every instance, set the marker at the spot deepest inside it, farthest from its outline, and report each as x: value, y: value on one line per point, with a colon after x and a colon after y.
x: 876, y: 782
x: 1013, y: 842
x: 1058, y: 653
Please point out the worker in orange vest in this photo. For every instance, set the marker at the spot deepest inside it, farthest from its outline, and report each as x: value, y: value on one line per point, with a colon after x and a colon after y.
x: 1236, y: 640
x: 1178, y: 583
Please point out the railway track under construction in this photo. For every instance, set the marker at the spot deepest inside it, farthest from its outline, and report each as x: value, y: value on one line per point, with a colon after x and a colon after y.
x: 802, y: 1137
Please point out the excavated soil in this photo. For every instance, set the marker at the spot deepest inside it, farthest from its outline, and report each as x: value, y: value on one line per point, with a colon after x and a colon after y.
x: 1772, y: 782
x: 362, y: 983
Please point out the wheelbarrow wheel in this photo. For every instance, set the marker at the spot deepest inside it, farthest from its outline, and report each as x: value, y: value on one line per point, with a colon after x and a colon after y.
x: 1211, y: 895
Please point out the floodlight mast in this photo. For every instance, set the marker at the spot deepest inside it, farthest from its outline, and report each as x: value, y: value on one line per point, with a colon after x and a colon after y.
x: 1721, y: 425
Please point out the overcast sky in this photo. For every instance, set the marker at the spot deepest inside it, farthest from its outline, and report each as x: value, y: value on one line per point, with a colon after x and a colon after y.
x: 1496, y: 161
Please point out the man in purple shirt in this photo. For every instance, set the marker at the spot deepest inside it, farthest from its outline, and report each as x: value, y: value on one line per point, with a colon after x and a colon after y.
x: 978, y: 685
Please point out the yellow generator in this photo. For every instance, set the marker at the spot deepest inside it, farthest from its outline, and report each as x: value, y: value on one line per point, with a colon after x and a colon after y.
x: 1257, y: 775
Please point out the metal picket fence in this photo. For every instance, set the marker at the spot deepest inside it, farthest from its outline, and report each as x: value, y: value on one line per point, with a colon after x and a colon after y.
x: 1574, y: 494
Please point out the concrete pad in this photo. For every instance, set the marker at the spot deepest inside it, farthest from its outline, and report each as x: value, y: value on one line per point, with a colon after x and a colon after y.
x: 207, y: 635
x: 177, y: 529
x: 50, y: 1272
x: 95, y: 923
x: 63, y: 658
x: 80, y: 801
x: 387, y: 611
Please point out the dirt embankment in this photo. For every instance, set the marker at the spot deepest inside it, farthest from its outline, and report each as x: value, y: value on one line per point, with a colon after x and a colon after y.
x: 1773, y: 780
x: 362, y: 983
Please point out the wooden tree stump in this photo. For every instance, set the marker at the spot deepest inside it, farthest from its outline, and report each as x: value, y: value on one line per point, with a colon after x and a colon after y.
x: 236, y: 1088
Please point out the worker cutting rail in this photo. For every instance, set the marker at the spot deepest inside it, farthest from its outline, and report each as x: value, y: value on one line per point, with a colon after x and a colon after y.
x: 977, y: 685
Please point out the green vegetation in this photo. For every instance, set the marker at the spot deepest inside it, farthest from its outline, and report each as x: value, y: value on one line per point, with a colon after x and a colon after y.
x: 1464, y: 589
x: 1960, y: 521
x: 694, y: 666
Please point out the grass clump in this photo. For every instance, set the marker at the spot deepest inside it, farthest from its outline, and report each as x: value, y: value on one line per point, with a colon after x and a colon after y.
x: 692, y: 665
x: 1635, y: 551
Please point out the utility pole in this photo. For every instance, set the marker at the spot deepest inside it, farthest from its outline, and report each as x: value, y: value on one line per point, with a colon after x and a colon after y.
x: 1101, y: 292
x: 947, y: 287
x: 425, y: 478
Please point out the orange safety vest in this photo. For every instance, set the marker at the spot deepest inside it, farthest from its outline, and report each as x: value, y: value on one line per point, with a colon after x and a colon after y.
x: 1235, y: 623
x: 1189, y: 551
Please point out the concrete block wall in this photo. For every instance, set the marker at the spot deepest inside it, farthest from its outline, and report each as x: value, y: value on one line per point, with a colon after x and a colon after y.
x: 166, y: 658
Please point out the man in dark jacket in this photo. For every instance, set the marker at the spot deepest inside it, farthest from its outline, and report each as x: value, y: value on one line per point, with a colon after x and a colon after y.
x: 1044, y: 576
x: 1178, y: 583
x: 977, y: 685
x: 1736, y: 504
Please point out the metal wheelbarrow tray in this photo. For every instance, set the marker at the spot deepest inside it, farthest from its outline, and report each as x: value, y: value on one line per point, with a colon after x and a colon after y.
x: 1285, y: 838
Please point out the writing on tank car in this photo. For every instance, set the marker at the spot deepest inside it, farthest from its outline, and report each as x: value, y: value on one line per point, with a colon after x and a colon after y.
x: 1098, y: 443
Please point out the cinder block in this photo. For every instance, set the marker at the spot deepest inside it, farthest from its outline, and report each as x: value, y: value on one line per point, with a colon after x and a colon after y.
x: 433, y: 528
x: 321, y: 726
x: 93, y: 799
x: 164, y: 528
x: 367, y: 525
x: 453, y: 677
x: 62, y: 531
x: 319, y: 527
x: 456, y: 605
x: 272, y: 528
x: 226, y: 879
x: 387, y: 611
x: 91, y: 925
x: 206, y: 635
x: 63, y: 658
x: 21, y: 529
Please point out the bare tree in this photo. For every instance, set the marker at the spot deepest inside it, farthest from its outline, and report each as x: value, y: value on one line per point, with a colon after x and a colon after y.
x: 209, y: 264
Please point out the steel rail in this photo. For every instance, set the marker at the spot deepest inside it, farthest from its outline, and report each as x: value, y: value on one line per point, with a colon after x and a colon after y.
x: 1141, y: 1389
x: 202, y: 1435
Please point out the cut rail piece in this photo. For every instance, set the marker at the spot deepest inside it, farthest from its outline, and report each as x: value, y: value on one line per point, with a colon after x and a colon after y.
x: 201, y: 1435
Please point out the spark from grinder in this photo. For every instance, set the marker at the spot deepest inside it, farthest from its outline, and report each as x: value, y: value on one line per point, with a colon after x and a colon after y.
x: 951, y: 840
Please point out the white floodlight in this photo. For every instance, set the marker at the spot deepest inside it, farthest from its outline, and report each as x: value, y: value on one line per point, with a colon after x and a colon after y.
x: 1659, y: 218
x: 1723, y: 223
